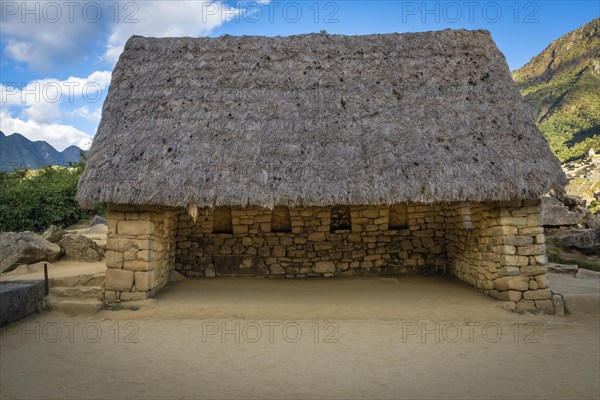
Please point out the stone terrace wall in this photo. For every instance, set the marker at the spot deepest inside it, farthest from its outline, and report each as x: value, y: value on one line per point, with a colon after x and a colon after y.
x: 310, y: 249
x: 140, y: 251
x: 500, y: 249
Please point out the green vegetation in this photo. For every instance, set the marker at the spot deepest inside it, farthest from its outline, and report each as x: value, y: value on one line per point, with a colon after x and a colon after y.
x: 562, y: 86
x: 35, y: 199
x: 594, y: 207
x: 555, y: 255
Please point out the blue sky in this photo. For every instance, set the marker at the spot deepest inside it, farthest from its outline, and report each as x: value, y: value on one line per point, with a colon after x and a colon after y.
x: 57, y: 56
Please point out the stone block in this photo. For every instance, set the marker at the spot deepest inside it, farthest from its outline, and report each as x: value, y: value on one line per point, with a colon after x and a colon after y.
x: 118, y: 280
x: 533, y: 220
x: 504, y: 230
x: 515, y: 261
x: 134, y: 296
x: 144, y: 255
x: 319, y: 246
x: 533, y: 250
x: 508, y: 295
x: 135, y: 228
x: 525, y: 306
x: 110, y: 296
x: 541, y: 294
x: 370, y: 213
x: 558, y: 305
x: 546, y: 306
x: 540, y: 239
x: 531, y: 231
x: 276, y: 269
x: 514, y: 221
x: 144, y: 281
x: 114, y: 259
x: 519, y: 283
x: 137, y: 265
x: 542, y: 281
x: 533, y: 285
x: 517, y: 240
x: 509, y: 271
x: 316, y: 236
x: 507, y: 249
x: 278, y: 251
x: 240, y: 229
x: 533, y: 270
x: 322, y: 267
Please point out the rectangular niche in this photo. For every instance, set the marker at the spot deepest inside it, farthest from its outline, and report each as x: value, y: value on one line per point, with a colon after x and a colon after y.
x: 398, y: 217
x: 280, y: 220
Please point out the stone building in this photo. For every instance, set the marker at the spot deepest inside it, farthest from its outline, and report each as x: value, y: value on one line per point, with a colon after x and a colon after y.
x: 321, y: 155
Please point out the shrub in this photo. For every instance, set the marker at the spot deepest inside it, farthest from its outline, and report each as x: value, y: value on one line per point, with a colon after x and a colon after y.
x: 35, y: 199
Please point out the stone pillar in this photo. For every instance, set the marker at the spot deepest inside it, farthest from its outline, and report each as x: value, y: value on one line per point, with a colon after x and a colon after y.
x: 140, y: 251
x: 500, y: 249
x: 522, y: 274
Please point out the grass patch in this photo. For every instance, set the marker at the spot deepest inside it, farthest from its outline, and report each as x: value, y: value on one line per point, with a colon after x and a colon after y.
x: 559, y: 256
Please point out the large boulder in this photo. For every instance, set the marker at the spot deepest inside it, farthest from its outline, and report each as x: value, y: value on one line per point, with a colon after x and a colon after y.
x: 554, y: 213
x: 17, y: 248
x: 586, y: 241
x: 570, y: 200
x: 592, y: 221
x: 98, y: 220
x: 96, y: 230
x: 53, y: 234
x: 77, y: 247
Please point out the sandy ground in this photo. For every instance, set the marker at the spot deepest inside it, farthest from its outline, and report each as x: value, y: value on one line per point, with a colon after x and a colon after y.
x: 413, y: 337
x: 58, y: 269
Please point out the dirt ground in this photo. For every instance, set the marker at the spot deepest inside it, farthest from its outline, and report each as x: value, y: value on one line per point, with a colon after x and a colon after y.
x: 412, y: 338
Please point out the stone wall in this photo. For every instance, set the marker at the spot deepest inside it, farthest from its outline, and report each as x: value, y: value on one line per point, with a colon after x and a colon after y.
x: 311, y: 248
x: 499, y: 248
x: 140, y: 251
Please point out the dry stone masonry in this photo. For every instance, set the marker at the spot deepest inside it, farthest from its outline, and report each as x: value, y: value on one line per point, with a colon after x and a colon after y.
x: 140, y: 251
x: 499, y: 248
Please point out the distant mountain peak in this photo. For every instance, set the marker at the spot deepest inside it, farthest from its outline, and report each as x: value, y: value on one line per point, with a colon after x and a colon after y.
x: 18, y: 152
x: 562, y: 86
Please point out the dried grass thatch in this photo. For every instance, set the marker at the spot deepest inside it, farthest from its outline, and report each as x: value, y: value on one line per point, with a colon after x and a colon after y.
x: 316, y: 120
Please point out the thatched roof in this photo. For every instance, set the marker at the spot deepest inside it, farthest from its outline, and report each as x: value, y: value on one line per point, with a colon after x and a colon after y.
x: 316, y: 120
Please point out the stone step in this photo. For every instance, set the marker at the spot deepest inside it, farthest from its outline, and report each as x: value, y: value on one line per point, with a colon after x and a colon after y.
x: 77, y: 306
x: 582, y: 303
x: 78, y: 280
x: 79, y: 292
x: 563, y: 268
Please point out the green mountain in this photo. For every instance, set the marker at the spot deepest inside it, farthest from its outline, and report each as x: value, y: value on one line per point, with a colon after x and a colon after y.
x: 562, y: 86
x: 18, y: 152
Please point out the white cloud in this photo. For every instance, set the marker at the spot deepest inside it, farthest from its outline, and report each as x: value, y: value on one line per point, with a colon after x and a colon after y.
x: 85, y: 113
x: 42, y: 105
x: 60, y: 136
x: 163, y: 18
x: 41, y: 100
x: 45, y: 33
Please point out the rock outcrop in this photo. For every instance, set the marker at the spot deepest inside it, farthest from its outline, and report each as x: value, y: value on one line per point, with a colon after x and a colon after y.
x: 77, y: 247
x: 19, y: 248
x: 555, y: 213
x: 587, y: 241
x: 53, y: 234
x: 561, y: 210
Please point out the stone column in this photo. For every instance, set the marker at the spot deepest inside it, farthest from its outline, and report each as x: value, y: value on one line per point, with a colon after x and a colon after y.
x: 522, y: 274
x: 140, y: 251
x: 500, y: 249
